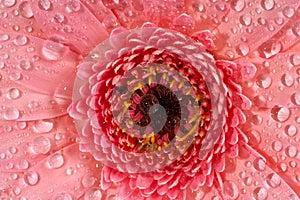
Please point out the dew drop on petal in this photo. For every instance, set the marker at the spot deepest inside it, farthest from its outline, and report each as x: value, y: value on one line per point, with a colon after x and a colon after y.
x: 270, y: 48
x: 4, y: 37
x: 43, y: 126
x: 295, y: 59
x: 25, y: 65
x: 243, y: 49
x: 291, y: 151
x: 259, y: 164
x: 55, y: 161
x: 277, y: 146
x: 231, y: 190
x: 63, y: 196
x: 268, y: 4
x: 295, y: 98
x: 41, y: 145
x: 246, y: 19
x: 14, y: 76
x: 45, y: 4
x: 260, y: 193
x: 238, y: 5
x: 93, y: 194
x: 14, y: 93
x: 280, y: 114
x: 88, y: 181
x: 11, y: 114
x: 31, y: 178
x: 21, y: 40
x: 287, y: 80
x: 59, y: 18
x: 273, y: 180
x: 288, y: 11
x: 25, y: 9
x: 290, y: 130
x: 296, y: 28
x: 264, y: 81
x: 8, y: 3
x: 53, y: 50
x: 23, y: 164
x: 73, y: 6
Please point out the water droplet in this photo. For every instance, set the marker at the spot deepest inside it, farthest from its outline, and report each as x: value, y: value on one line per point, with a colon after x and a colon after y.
x: 31, y: 178
x: 288, y: 11
x: 238, y: 5
x: 45, y: 4
x: 8, y: 3
x: 295, y: 59
x: 295, y: 98
x: 280, y: 114
x: 4, y: 37
x: 23, y: 164
x: 14, y: 76
x: 93, y: 194
x: 25, y: 9
x: 230, y: 189
x: 243, y: 49
x: 25, y: 65
x: 53, y: 50
x: 21, y: 40
x: 259, y: 164
x: 73, y: 6
x: 59, y: 18
x: 287, y: 80
x: 270, y: 48
x: 70, y: 171
x: 11, y: 114
x: 14, y: 93
x: 267, y: 4
x: 63, y: 196
x: 246, y: 19
x: 21, y: 125
x: 43, y: 126
x: 296, y: 28
x: 55, y: 161
x: 291, y: 151
x: 277, y: 146
x: 264, y: 81
x: 88, y: 181
x: 260, y: 193
x: 41, y: 145
x: 273, y: 180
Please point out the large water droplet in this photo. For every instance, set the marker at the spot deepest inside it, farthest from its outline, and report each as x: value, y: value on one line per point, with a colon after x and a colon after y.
x: 4, y: 37
x: 287, y: 80
x: 25, y: 65
x: 270, y: 48
x: 41, y: 145
x: 11, y: 114
x: 288, y: 11
x: 246, y: 20
x: 243, y: 49
x: 296, y: 28
x: 267, y: 4
x: 23, y: 164
x: 53, y: 50
x: 291, y: 151
x: 63, y: 196
x: 273, y: 180
x: 21, y: 40
x: 55, y: 161
x: 45, y: 4
x: 290, y: 130
x: 259, y: 164
x: 88, y: 181
x: 280, y: 114
x: 277, y: 146
x: 93, y: 194
x: 73, y: 6
x: 238, y: 5
x: 25, y: 9
x: 59, y: 18
x: 8, y: 3
x: 295, y: 59
x: 14, y: 93
x: 295, y: 98
x: 231, y: 190
x: 264, y: 81
x: 260, y: 193
x: 43, y: 126
x: 31, y: 178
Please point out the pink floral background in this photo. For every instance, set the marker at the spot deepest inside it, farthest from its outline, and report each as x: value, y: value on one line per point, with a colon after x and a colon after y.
x: 256, y: 49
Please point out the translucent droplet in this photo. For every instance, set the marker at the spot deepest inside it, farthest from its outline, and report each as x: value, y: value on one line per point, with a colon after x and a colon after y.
x: 4, y: 37
x: 264, y: 81
x: 8, y: 3
x: 270, y: 48
x: 14, y: 93
x: 295, y: 59
x: 93, y: 194
x: 31, y: 178
x: 45, y: 4
x: 55, y: 161
x: 280, y: 114
x: 238, y: 5
x: 287, y: 80
x: 73, y: 6
x: 63, y: 196
x: 25, y: 65
x: 296, y: 28
x: 273, y: 180
x: 243, y: 49
x: 246, y: 19
x: 43, y: 126
x: 295, y: 98
x: 231, y: 190
x: 291, y: 151
x: 53, y: 50
x: 259, y: 164
x: 88, y: 181
x: 260, y: 193
x: 23, y: 164
x: 288, y: 11
x: 21, y: 40
x: 59, y: 18
x: 277, y: 146
x: 268, y: 4
x: 41, y: 145
x: 25, y: 9
x: 11, y: 114
x: 21, y: 125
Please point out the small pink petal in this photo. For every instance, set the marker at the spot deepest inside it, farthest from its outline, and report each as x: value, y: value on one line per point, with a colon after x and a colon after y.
x: 143, y: 181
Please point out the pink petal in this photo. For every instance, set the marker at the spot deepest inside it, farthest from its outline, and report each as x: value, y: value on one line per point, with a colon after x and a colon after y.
x: 22, y: 22
x: 252, y: 178
x: 247, y: 30
x: 75, y: 177
x: 26, y: 143
x: 70, y: 20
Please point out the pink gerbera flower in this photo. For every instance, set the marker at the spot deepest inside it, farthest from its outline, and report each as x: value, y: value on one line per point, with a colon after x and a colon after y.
x: 145, y: 99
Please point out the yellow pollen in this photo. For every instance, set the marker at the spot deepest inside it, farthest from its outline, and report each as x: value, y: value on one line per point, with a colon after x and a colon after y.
x: 172, y: 83
x: 181, y: 85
